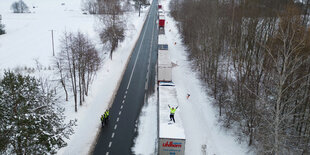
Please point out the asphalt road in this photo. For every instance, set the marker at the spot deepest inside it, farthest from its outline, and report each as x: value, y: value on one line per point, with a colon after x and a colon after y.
x: 139, y: 79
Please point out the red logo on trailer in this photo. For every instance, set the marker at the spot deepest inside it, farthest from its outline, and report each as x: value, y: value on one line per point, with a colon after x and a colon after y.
x: 171, y: 144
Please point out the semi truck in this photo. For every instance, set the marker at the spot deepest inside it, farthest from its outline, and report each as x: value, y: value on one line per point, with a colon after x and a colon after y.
x: 171, y: 136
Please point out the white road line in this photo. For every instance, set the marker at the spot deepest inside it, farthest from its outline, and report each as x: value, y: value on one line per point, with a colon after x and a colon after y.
x: 126, y: 92
x: 125, y: 97
x: 120, y: 112
x: 145, y: 87
x: 110, y: 144
x: 107, y: 153
x: 121, y: 107
x: 117, y: 119
x: 123, y: 101
x: 113, y: 135
x: 134, y: 66
x: 149, y: 62
x: 115, y: 126
x: 145, y: 96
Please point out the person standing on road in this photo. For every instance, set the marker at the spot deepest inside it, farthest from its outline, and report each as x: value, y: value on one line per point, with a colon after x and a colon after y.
x: 106, y: 116
x: 172, y: 112
x: 102, y: 120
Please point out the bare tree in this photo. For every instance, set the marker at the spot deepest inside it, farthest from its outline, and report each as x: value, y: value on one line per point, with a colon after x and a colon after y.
x: 79, y: 61
x: 114, y: 27
x: 60, y: 65
x: 69, y: 55
x: 91, y: 6
x: 20, y: 7
x: 288, y: 53
x: 256, y: 64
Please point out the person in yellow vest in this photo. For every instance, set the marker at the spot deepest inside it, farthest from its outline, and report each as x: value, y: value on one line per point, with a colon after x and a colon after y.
x: 102, y: 120
x: 106, y: 116
x: 172, y: 112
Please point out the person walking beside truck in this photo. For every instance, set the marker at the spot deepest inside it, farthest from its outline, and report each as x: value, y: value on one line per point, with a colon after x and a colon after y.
x: 172, y: 112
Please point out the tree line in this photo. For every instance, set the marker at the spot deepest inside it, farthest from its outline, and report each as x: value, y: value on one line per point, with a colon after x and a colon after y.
x: 77, y: 64
x: 79, y: 60
x: 254, y: 57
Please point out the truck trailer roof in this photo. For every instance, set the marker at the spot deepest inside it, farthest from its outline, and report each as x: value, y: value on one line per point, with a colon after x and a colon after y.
x: 164, y: 58
x: 167, y: 129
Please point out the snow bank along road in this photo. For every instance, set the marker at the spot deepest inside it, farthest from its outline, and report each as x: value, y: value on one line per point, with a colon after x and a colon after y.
x: 117, y: 137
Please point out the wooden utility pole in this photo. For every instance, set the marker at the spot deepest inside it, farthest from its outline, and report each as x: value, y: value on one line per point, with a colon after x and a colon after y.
x: 139, y: 7
x: 53, y: 42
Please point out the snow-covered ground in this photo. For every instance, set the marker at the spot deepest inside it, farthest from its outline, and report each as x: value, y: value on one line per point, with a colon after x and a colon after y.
x: 28, y: 38
x: 28, y: 35
x: 102, y: 92
x: 197, y: 113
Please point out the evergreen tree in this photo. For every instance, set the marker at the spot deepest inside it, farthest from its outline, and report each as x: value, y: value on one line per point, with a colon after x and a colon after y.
x: 31, y: 121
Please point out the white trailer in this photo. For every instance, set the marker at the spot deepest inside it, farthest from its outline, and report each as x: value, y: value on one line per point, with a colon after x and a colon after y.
x: 171, y: 138
x: 162, y: 42
x: 164, y: 66
x: 160, y: 13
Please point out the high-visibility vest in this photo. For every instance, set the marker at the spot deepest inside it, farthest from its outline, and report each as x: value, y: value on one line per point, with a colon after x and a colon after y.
x: 106, y: 114
x: 172, y: 111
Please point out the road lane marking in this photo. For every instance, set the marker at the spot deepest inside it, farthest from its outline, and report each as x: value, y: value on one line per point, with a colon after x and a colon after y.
x: 115, y: 126
x: 113, y: 135
x: 121, y: 107
x: 149, y: 62
x: 123, y: 101
x: 125, y: 97
x: 117, y: 119
x: 110, y: 144
x: 145, y: 87
x: 134, y: 66
x: 126, y: 92
x: 107, y: 153
x: 120, y: 112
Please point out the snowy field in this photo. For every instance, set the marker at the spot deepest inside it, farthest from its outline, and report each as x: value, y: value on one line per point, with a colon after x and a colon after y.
x: 28, y: 40
x: 28, y: 35
x: 197, y: 113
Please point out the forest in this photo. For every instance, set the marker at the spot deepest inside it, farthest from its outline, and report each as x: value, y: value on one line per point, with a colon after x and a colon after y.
x: 254, y: 58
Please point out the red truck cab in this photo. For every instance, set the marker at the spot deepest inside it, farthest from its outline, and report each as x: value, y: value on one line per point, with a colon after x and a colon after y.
x: 161, y: 21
